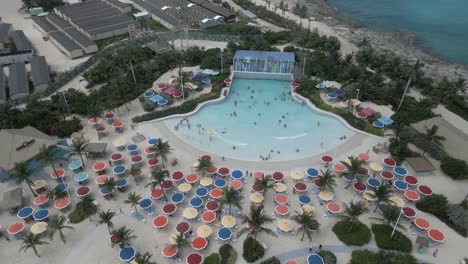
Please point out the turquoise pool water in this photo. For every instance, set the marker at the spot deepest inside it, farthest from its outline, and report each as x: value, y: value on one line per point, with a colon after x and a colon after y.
x: 260, y: 118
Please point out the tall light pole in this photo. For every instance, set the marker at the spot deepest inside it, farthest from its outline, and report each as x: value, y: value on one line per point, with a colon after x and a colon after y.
x: 222, y: 68
x: 398, y: 220
x: 66, y: 103
x: 303, y: 66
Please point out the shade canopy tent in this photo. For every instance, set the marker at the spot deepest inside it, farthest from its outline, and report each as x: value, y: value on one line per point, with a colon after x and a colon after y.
x: 386, y: 121
x: 368, y: 111
x: 95, y: 149
x: 420, y: 165
x: 156, y: 99
x: 264, y: 61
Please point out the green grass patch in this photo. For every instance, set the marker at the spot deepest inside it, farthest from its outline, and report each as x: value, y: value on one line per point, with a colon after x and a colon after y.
x: 328, y: 256
x: 105, y: 42
x: 228, y: 254
x: 153, y: 25
x: 358, y: 234
x: 398, y: 242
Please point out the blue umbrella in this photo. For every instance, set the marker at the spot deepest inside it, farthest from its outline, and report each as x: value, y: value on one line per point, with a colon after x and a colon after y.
x: 41, y: 214
x: 382, y: 207
x: 152, y: 141
x: 201, y: 192
x: 74, y: 165
x: 196, y: 202
x: 304, y: 199
x: 349, y: 177
x: 132, y: 147
x: 119, y: 169
x: 162, y: 102
x: 332, y: 95
x: 237, y: 174
x: 339, y: 93
x: 149, y: 94
x: 105, y: 191
x: 25, y: 212
x: 127, y: 254
x: 177, y: 198
x: 224, y: 233
x: 311, y: 172
x: 373, y: 182
x: 145, y: 203
x: 61, y: 187
x: 314, y: 259
x: 400, y: 171
x: 122, y: 182
x: 401, y: 185
x: 377, y: 124
x: 220, y: 183
x: 82, y: 176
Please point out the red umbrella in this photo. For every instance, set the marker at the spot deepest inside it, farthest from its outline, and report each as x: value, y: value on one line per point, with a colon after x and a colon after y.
x: 99, y: 166
x: 93, y: 120
x: 136, y: 159
x: 359, y: 187
x: 169, y: 208
x: 327, y: 159
x: 100, y: 128
x: 62, y: 203
x: 389, y: 162
x: 208, y: 216
x: 388, y: 175
x: 294, y: 84
x: 152, y: 162
x: 216, y: 193
x: 183, y: 227
x: 363, y: 156
x: 227, y: 80
x: 160, y: 221
x: 281, y: 198
x: 191, y: 178
x: 169, y: 251
x: 318, y: 184
x: 177, y: 176
x: 15, y: 228
x: 194, y: 258
x: 116, y: 157
x: 162, y: 86
x: 409, y: 212
x: 424, y: 189
x: 300, y: 187
x: 411, y: 180
x: 361, y: 115
x: 149, y: 151
x: 436, y: 235
x: 412, y: 195
x: 291, y: 261
x: 212, y: 170
x: 109, y: 116
x: 83, y: 191
x: 58, y: 173
x: 223, y: 171
x: 258, y: 175
x: 257, y: 187
x: 278, y: 176
x: 157, y: 193
x: 333, y: 207
x: 422, y: 223
x: 282, y: 209
x: 199, y: 243
x: 167, y: 185
x: 206, y: 157
x: 40, y: 200
x: 339, y: 167
x: 101, y: 179
x: 235, y: 184
x: 177, y: 94
x: 212, y: 205
x: 117, y: 124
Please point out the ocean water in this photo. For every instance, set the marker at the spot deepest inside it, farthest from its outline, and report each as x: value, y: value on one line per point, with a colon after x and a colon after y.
x: 441, y: 27
x: 266, y: 122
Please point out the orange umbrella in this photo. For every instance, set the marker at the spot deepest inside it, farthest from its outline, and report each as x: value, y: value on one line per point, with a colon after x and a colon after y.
x: 412, y: 195
x: 160, y: 221
x: 15, y: 228
x: 333, y: 207
x: 99, y: 166
x: 191, y: 178
x: 169, y: 251
x: 422, y: 223
x: 291, y: 261
x: 157, y: 193
x: 101, y: 179
x: 258, y: 175
x: 40, y: 200
x: 208, y: 216
x: 216, y: 193
x: 436, y: 235
x: 212, y: 170
x: 282, y: 209
x: 62, y: 203
x: 339, y: 167
x: 235, y: 184
x: 199, y: 243
x: 281, y: 198
x: 363, y: 156
x: 58, y: 173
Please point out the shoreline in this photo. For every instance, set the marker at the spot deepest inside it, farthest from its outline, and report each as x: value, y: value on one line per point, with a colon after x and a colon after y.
x: 401, y: 43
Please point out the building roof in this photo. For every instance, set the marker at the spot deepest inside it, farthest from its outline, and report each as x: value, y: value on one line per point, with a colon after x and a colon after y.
x: 3, y: 95
x: 58, y: 21
x: 12, y: 141
x: 456, y: 141
x: 95, y: 148
x: 20, y: 40
x: 79, y: 37
x: 4, y: 31
x: 13, y: 199
x: 39, y: 70
x: 117, y: 3
x: 66, y: 42
x: 17, y: 79
x: 264, y: 55
x: 217, y: 9
x: 420, y: 164
x: 248, y: 14
x: 43, y: 23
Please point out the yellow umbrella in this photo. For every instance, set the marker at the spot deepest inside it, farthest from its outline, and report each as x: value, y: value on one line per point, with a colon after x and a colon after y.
x: 204, y: 231
x: 195, y: 164
x: 206, y: 181
x: 397, y: 201
x: 119, y: 142
x: 279, y: 187
x: 326, y: 196
x: 285, y: 225
x: 228, y: 221
x: 133, y: 262
x: 173, y: 238
x: 307, y: 208
x: 368, y: 195
x: 38, y: 184
x: 39, y: 228
x: 256, y: 197
x: 190, y: 213
x: 184, y: 187
x: 375, y: 166
x: 297, y: 175
x: 210, y: 132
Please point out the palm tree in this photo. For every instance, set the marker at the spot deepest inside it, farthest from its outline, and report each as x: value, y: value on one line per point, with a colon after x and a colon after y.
x: 353, y: 166
x: 180, y: 241
x: 162, y: 149
x: 21, y: 172
x: 203, y: 166
x: 231, y: 197
x: 133, y: 200
x: 413, y: 75
x: 106, y: 218
x: 267, y: 182
x: 134, y: 171
x: 57, y: 224
x: 381, y: 194
x: 431, y: 136
x: 390, y: 215
x: 31, y: 241
x: 110, y: 183
x: 55, y: 194
x: 352, y: 213
x: 49, y: 154
x: 158, y: 178
x: 78, y: 146
x: 144, y: 259
x: 255, y: 222
x: 6, y: 116
x: 123, y: 235
x: 327, y: 179
x: 307, y: 224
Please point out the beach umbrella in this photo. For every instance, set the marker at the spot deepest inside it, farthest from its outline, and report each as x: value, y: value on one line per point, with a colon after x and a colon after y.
x: 184, y: 187
x: 183, y: 227
x: 162, y: 86
x: 382, y: 207
x: 326, y: 196
x: 372, y: 182
x: 199, y: 243
x: 41, y: 214
x: 82, y: 191
x: 39, y: 228
x: 145, y: 203
x: 436, y: 235
x: 258, y: 175
x: 295, y: 84
x: 212, y: 170
x: 304, y: 199
x: 177, y: 176
x: 15, y: 228
x: 157, y: 193
x: 132, y: 148
x: 62, y: 203
x: 257, y: 188
x: 389, y: 162
x: 127, y: 254
x: 137, y: 159
x: 105, y: 191
x: 378, y: 124
x: 311, y: 172
x: 149, y: 94
x: 74, y: 165
x: 375, y: 167
x: 424, y: 190
x: 61, y: 187
x: 227, y: 80
x: 300, y: 187
x: 333, y: 207
x: 327, y: 159
x: 194, y: 258
x: 412, y: 195
x: 196, y: 202
x: 256, y: 197
x: 401, y: 185
x: 363, y: 156
x: 332, y: 96
x: 411, y: 180
x: 223, y: 171
x: 314, y: 259
x: 363, y: 171
x: 387, y: 175
x: 167, y: 185
x: 189, y: 213
x: 397, y: 201
x: 40, y: 200
x: 39, y: 184
x: 120, y: 169
x: 93, y: 120
x: 281, y: 198
x: 177, y: 94
x: 100, y: 128
x: 149, y: 152
x: 109, y: 116
x: 307, y: 208
x: 122, y: 182
x: 208, y: 216
x: 152, y: 163
x: 278, y: 176
x: 101, y: 179
x: 339, y: 167
x: 206, y: 157
x: 237, y: 174
x: 408, y: 212
x: 201, y: 192
x: 206, y: 181
x: 117, y: 124
x: 169, y: 208
x: 58, y: 173
x: 359, y: 187
x: 235, y: 184
x: 282, y: 209
x: 228, y: 221
x: 224, y: 233
x: 81, y: 177
x: 297, y: 175
x: 177, y: 198
x: 204, y: 231
x: 25, y: 212
x: 169, y: 251
x: 220, y: 183
x: 318, y: 184
x: 152, y: 141
x: 160, y: 221
x: 291, y: 261
x: 216, y: 193
x: 212, y: 206
x: 369, y: 196
x: 119, y: 143
x: 400, y: 171
x: 279, y: 187
x: 285, y: 225
x: 191, y: 178
x: 422, y: 223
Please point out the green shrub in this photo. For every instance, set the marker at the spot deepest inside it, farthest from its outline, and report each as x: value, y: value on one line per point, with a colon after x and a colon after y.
x: 81, y: 213
x: 455, y: 168
x: 228, y: 254
x: 358, y: 235
x: 436, y: 204
x: 64, y: 128
x: 385, y: 241
x: 364, y: 257
x: 328, y: 256
x: 272, y: 260
x: 382, y: 257
x: 252, y: 250
x: 212, y: 259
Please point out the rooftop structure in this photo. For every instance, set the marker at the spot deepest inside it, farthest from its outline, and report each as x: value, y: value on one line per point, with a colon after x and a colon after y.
x: 264, y: 61
x: 21, y: 42
x: 228, y: 15
x: 3, y: 94
x: 5, y: 29
x: 248, y: 14
x: 420, y: 166
x: 66, y: 44
x: 43, y: 25
x: 40, y: 73
x: 18, y: 81
x: 124, y: 8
